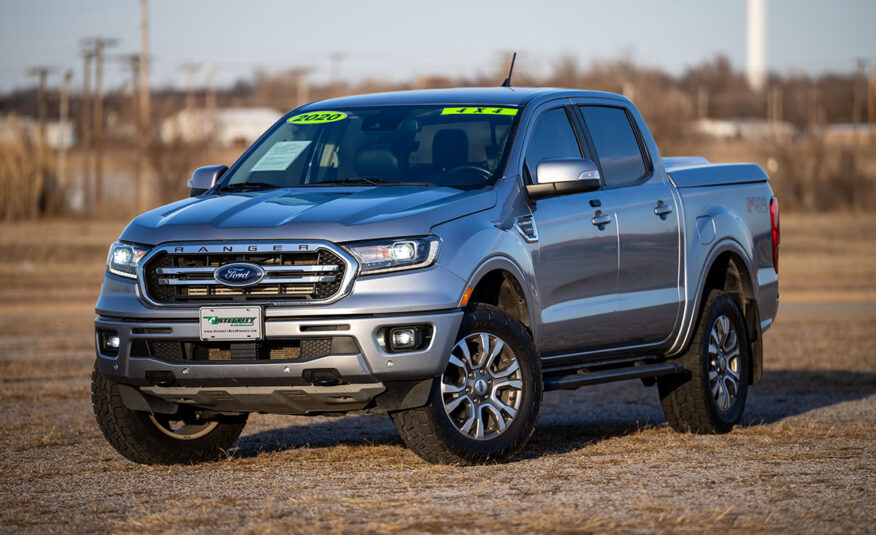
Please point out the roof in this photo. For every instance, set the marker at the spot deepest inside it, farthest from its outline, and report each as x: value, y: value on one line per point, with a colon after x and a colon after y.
x: 483, y: 96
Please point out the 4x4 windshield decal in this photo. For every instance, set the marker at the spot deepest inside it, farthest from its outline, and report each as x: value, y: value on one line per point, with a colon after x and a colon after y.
x: 476, y: 110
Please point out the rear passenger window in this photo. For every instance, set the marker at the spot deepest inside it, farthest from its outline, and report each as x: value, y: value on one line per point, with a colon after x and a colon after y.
x: 552, y: 137
x: 616, y: 144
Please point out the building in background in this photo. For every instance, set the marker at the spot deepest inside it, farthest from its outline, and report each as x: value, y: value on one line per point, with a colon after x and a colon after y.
x: 227, y: 126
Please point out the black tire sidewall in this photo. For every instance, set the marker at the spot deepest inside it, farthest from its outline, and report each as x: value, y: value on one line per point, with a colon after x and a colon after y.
x: 487, y: 319
x: 725, y: 305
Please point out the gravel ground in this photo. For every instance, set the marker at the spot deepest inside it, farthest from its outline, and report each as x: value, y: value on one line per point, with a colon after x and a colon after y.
x: 602, y: 458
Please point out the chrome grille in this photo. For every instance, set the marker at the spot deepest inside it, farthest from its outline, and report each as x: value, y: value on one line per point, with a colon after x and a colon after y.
x: 294, y: 274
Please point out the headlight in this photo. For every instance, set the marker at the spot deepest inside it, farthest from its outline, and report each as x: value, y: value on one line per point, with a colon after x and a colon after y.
x: 123, y: 258
x: 381, y: 256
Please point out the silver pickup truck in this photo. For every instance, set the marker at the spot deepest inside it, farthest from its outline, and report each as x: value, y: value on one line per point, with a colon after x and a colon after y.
x: 442, y: 257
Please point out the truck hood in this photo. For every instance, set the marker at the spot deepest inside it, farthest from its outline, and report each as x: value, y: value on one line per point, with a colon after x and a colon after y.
x: 332, y: 213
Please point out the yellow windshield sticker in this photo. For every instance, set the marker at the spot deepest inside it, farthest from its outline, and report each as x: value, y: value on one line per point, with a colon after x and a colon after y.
x: 479, y: 110
x: 318, y: 117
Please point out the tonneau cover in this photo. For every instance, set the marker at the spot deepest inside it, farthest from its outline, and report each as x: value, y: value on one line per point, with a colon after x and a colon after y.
x: 696, y: 171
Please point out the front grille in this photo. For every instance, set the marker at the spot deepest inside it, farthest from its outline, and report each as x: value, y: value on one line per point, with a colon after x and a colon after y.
x: 301, y: 349
x: 291, y: 276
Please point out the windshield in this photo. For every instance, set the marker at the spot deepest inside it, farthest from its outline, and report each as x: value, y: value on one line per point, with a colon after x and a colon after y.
x: 459, y: 147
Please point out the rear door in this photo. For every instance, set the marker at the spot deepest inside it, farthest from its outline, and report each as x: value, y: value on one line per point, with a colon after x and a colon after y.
x: 576, y: 267
x: 649, y: 290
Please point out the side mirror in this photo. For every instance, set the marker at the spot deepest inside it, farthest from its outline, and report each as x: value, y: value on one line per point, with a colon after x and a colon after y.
x: 205, y: 178
x: 563, y: 176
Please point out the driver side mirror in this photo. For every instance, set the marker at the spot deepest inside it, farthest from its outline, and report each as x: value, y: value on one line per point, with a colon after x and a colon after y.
x: 205, y: 178
x: 563, y: 176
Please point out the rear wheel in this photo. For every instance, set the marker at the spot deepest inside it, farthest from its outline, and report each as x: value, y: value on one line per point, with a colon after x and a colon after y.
x: 712, y: 397
x: 485, y: 405
x: 148, y: 438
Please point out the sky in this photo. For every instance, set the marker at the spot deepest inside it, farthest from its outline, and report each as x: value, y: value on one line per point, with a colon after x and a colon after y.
x: 399, y: 40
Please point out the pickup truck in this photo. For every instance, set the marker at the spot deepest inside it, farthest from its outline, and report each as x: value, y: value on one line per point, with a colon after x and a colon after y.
x: 441, y: 257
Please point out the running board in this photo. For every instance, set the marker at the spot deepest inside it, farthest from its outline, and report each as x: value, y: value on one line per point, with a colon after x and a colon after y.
x: 574, y: 380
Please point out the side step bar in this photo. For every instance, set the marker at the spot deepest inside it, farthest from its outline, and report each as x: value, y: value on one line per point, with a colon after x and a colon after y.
x: 582, y: 378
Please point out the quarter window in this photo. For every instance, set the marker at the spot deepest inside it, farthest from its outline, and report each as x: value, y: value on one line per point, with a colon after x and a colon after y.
x: 616, y: 144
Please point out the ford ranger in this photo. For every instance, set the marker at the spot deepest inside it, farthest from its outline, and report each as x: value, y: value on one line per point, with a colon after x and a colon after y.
x: 442, y: 257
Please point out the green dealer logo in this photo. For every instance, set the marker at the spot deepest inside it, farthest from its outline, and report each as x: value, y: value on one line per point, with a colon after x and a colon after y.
x: 231, y: 322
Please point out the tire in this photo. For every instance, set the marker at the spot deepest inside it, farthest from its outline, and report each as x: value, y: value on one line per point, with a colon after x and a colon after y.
x: 710, y: 398
x: 147, y: 438
x: 504, y: 391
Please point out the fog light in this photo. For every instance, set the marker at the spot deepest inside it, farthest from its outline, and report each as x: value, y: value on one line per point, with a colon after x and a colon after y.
x: 109, y: 343
x: 403, y: 338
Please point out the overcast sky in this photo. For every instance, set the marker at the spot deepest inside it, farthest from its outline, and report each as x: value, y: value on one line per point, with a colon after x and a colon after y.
x: 403, y: 39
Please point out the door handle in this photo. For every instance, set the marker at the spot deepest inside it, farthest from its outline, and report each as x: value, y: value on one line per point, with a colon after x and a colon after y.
x: 600, y: 219
x: 662, y: 210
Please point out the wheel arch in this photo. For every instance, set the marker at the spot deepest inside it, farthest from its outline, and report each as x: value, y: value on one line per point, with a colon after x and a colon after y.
x: 728, y: 269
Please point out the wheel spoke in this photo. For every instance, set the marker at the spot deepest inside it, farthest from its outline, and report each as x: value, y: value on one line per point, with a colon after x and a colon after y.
x: 450, y: 407
x: 731, y: 342
x: 451, y: 389
x: 511, y: 411
x: 466, y: 354
x: 479, y: 422
x: 466, y: 427
x: 456, y: 362
x: 500, y: 420
x: 497, y: 350
x: 513, y: 367
x: 715, y: 387
x: 484, y: 353
x: 516, y: 384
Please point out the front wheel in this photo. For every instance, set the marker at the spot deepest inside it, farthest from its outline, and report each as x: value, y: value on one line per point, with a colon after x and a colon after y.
x: 148, y: 438
x: 485, y: 405
x: 712, y: 397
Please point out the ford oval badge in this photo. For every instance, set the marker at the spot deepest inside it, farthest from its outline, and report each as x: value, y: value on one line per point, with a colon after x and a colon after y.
x: 239, y: 274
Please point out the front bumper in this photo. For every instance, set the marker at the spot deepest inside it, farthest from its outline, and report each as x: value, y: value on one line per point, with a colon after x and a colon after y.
x: 280, y: 386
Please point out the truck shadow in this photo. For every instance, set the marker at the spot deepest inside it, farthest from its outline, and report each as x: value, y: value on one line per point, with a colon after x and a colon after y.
x: 576, y: 419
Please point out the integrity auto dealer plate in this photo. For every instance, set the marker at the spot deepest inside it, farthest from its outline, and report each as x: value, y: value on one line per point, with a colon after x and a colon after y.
x: 231, y: 323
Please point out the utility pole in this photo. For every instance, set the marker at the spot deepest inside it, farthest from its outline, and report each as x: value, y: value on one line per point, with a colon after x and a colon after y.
x: 702, y: 103
x: 302, y: 92
x: 98, y: 44
x: 190, y: 85
x: 336, y: 58
x: 145, y: 108
x: 64, y: 113
x: 871, y: 104
x: 856, y: 104
x: 209, y: 71
x: 136, y: 114
x: 85, y: 125
x: 144, y: 131
x: 42, y: 106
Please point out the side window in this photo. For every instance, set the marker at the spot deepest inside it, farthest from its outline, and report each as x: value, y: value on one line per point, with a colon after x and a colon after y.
x: 616, y: 144
x: 552, y: 137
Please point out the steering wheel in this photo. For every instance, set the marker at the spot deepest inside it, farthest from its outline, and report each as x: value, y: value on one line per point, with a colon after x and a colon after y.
x: 486, y: 174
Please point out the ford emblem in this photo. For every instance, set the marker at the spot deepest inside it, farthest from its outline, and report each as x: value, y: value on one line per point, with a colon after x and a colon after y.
x: 239, y: 274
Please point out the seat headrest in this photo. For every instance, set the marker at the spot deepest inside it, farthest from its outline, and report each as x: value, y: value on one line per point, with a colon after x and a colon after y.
x: 376, y: 161
x: 450, y: 148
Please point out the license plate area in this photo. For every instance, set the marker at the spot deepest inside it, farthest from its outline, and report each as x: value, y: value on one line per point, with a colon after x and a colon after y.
x: 231, y: 323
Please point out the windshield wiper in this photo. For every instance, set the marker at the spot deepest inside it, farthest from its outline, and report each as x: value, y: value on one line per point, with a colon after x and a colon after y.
x: 248, y: 186
x: 356, y: 181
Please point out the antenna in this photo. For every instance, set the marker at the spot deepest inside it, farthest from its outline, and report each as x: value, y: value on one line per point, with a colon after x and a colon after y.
x: 507, y: 82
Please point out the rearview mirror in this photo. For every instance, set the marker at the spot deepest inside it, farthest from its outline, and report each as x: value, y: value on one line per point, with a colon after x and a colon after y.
x: 562, y: 176
x: 205, y: 178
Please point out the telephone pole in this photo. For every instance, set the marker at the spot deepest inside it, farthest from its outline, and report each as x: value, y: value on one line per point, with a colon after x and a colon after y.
x: 42, y: 106
x: 144, y: 132
x: 98, y: 45
x: 85, y: 120
x: 64, y: 113
x: 134, y: 61
x: 190, y: 85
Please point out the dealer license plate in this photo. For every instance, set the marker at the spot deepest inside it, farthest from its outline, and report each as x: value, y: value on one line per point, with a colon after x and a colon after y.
x: 231, y: 323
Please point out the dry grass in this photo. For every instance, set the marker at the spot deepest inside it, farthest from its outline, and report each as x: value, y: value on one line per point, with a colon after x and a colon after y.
x: 602, y: 459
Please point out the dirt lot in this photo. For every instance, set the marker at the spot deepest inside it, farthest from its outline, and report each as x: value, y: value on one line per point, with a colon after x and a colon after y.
x: 602, y: 458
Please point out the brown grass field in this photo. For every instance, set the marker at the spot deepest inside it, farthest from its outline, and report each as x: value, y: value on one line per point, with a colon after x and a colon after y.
x: 602, y: 459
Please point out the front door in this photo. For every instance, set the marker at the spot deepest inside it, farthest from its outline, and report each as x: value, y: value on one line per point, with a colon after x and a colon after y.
x: 576, y: 266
